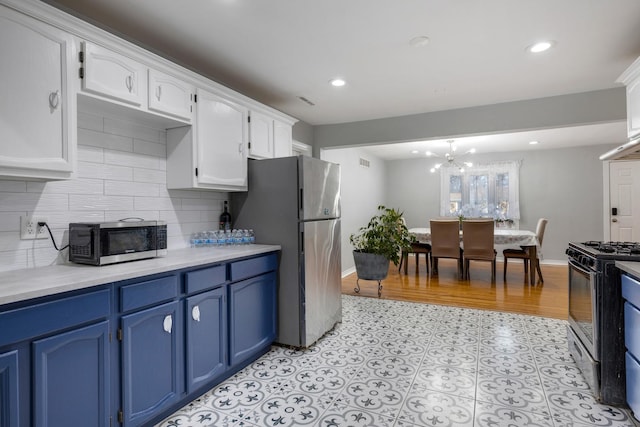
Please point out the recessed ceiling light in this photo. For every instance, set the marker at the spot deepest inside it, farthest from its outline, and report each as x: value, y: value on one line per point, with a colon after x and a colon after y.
x: 337, y: 82
x: 533, y: 142
x: 540, y: 47
x: 419, y: 41
x: 414, y: 152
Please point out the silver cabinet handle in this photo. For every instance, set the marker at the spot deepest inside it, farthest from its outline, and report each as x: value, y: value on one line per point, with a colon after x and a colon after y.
x: 614, y: 220
x: 240, y: 148
x: 158, y: 92
x: 195, y: 313
x: 167, y: 324
x: 129, y: 83
x: 54, y: 99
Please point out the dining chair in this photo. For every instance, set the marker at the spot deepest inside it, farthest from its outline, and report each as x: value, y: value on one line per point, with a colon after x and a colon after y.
x: 477, y: 241
x: 417, y: 248
x: 524, y: 254
x: 445, y: 243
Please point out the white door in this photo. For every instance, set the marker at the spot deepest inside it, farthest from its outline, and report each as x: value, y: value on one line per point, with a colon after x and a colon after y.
x: 169, y: 95
x: 624, y: 181
x: 282, y: 139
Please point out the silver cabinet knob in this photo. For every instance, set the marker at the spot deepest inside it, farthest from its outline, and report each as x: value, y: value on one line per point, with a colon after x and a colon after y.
x: 167, y: 324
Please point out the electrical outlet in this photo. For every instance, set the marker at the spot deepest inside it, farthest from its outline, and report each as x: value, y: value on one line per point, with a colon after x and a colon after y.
x: 29, y: 229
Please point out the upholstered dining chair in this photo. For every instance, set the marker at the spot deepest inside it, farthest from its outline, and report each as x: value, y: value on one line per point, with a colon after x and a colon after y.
x: 477, y: 241
x: 445, y: 243
x: 523, y: 253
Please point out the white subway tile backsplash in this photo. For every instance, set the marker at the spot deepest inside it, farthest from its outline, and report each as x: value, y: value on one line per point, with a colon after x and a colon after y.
x: 200, y: 204
x: 150, y: 175
x: 75, y: 186
x: 121, y: 174
x: 150, y: 148
x: 156, y: 203
x: 90, y: 122
x: 90, y: 154
x: 133, y: 130
x: 103, y: 140
x: 102, y: 171
x: 134, y: 160
x: 123, y: 188
x: 33, y: 202
x: 10, y: 221
x: 79, y: 202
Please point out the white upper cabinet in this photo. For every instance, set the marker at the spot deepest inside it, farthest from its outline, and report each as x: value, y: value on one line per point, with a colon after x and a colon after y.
x: 213, y: 153
x: 37, y: 102
x: 170, y: 96
x: 260, y: 136
x: 631, y: 78
x: 112, y: 75
x: 282, y: 139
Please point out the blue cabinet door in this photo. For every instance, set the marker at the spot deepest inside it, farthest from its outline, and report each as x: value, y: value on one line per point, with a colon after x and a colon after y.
x: 9, y: 389
x: 71, y: 378
x: 252, y: 317
x: 152, y: 356
x: 206, y: 319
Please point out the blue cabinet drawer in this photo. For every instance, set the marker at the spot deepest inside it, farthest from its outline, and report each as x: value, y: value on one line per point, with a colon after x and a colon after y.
x: 631, y: 290
x: 632, y: 329
x: 29, y: 322
x: 149, y: 292
x: 253, y: 267
x: 206, y: 278
x: 633, y: 383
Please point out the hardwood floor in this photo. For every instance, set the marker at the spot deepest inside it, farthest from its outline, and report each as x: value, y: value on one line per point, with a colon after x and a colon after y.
x: 515, y: 295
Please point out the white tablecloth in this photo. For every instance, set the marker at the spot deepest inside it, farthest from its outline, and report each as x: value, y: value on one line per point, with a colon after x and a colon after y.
x: 503, y: 237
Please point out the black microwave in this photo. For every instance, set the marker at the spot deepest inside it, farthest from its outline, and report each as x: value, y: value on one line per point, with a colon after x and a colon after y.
x: 111, y: 242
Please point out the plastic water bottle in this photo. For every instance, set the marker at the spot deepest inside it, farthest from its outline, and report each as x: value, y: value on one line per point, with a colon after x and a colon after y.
x: 221, y: 239
x: 252, y: 237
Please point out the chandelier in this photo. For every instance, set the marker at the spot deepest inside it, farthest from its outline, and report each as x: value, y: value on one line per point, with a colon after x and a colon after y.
x: 450, y: 158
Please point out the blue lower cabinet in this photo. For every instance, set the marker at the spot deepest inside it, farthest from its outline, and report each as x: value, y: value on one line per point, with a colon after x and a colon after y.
x: 152, y: 356
x: 9, y: 410
x: 71, y: 378
x: 252, y: 317
x: 206, y: 326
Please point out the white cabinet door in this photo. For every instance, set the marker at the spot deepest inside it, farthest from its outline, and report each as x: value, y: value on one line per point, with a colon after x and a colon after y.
x: 260, y: 136
x: 37, y: 104
x: 282, y: 139
x: 221, y: 135
x: 170, y: 95
x: 633, y: 108
x: 113, y: 75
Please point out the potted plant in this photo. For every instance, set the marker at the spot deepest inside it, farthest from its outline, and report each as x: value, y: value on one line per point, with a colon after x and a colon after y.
x: 382, y: 240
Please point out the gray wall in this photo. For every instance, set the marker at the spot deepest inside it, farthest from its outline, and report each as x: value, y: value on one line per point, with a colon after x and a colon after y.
x: 563, y: 185
x: 362, y: 190
x: 303, y: 132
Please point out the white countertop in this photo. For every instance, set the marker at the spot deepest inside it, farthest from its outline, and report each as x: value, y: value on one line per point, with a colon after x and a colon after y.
x: 20, y: 285
x: 633, y: 268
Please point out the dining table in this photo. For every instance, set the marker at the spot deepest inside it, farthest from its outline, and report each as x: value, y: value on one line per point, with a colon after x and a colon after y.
x: 505, y: 237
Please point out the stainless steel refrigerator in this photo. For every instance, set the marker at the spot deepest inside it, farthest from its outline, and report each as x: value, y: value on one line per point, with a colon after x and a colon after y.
x: 295, y: 202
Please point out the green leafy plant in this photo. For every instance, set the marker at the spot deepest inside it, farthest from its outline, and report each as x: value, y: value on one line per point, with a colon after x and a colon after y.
x: 386, y: 235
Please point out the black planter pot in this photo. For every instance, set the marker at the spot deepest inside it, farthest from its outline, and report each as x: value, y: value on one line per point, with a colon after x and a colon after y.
x: 370, y: 267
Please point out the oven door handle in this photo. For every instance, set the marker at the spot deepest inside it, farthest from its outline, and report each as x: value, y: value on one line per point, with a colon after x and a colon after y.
x: 580, y: 268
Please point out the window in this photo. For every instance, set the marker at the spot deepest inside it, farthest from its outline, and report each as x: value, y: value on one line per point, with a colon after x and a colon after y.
x: 485, y: 190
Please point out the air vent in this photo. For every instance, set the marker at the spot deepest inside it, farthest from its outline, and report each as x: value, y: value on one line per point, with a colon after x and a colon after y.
x: 364, y: 162
x: 303, y: 99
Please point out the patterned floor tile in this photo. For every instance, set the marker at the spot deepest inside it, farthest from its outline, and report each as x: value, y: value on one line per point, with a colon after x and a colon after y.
x: 391, y: 363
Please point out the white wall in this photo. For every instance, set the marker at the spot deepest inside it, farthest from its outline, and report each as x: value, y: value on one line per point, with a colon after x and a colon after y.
x: 362, y: 191
x: 121, y: 173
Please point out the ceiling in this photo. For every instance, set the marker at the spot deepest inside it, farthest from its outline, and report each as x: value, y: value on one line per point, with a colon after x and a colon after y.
x: 279, y: 51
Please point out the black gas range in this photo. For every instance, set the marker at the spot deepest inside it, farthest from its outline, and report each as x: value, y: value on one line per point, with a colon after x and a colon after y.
x: 596, y: 317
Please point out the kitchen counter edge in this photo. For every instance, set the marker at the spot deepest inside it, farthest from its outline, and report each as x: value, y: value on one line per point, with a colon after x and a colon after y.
x: 632, y: 268
x: 25, y: 284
